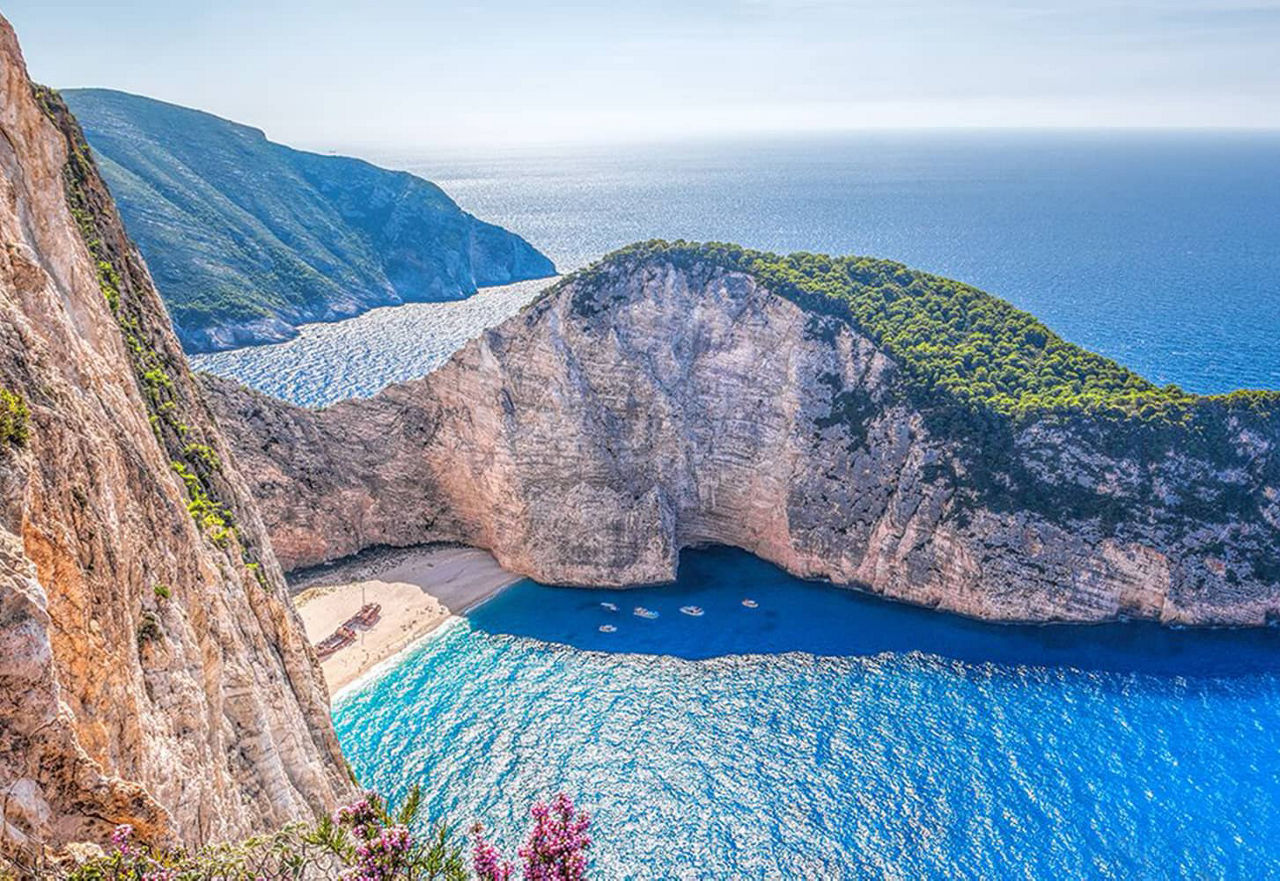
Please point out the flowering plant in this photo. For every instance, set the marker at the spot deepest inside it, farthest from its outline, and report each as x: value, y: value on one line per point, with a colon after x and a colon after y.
x: 362, y: 841
x: 556, y: 849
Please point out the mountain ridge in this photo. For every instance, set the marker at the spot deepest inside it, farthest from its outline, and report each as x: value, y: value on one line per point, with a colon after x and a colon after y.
x: 247, y: 238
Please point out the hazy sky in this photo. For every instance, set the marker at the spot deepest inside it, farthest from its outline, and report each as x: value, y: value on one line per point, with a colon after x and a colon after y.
x: 409, y: 74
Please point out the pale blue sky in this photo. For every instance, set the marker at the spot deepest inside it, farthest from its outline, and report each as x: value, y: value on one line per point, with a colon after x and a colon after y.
x: 410, y: 74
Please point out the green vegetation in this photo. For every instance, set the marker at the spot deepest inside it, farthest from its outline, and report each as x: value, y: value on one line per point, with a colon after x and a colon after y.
x: 957, y: 344
x: 123, y: 283
x: 255, y: 569
x: 214, y: 518
x: 204, y: 454
x: 980, y: 372
x: 109, y: 281
x: 14, y: 416
x: 236, y: 229
x: 162, y: 591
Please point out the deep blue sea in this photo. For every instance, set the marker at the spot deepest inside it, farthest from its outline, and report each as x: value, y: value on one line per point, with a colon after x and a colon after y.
x: 1161, y: 250
x: 824, y: 734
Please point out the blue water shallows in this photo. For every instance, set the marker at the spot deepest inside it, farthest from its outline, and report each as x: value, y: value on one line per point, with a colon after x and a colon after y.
x: 827, y: 734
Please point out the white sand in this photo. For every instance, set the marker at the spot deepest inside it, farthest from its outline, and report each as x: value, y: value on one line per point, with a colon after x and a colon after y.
x: 419, y: 589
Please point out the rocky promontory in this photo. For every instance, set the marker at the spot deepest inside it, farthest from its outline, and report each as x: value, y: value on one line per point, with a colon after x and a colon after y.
x: 846, y: 419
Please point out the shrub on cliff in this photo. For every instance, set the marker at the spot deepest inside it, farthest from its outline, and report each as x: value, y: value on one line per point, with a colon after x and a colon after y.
x: 13, y: 419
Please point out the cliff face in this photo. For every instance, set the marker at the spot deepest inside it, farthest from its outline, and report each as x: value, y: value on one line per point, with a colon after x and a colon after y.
x: 247, y: 238
x: 152, y: 670
x: 659, y: 406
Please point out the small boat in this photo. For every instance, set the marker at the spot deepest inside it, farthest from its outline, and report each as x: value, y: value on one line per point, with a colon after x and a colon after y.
x: 610, y: 607
x: 750, y: 604
x: 607, y: 628
x: 642, y: 612
x: 694, y: 611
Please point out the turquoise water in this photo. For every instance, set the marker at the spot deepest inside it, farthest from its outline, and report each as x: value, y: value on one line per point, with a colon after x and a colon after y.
x: 825, y: 734
x: 1159, y: 250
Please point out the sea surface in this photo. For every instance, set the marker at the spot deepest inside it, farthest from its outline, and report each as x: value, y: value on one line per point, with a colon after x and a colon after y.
x: 1161, y: 250
x: 827, y: 734
x: 355, y: 358
x: 824, y: 734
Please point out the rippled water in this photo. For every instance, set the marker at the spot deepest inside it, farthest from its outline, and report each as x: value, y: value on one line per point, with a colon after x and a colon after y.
x: 355, y: 358
x: 824, y: 734
x: 1159, y: 250
x: 827, y: 734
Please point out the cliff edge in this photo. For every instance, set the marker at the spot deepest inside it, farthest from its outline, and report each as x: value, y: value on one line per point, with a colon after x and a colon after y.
x: 152, y: 671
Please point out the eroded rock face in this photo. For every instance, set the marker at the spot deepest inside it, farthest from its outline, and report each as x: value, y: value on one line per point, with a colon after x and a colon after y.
x: 590, y: 438
x: 152, y: 670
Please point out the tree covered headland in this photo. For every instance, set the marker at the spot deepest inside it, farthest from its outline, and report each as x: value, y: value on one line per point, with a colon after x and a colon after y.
x: 959, y: 345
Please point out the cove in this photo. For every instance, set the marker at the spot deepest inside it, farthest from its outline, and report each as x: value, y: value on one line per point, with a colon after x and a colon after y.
x: 825, y: 733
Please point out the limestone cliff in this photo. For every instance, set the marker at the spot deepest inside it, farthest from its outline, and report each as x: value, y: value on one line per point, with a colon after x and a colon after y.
x: 654, y: 404
x: 152, y: 670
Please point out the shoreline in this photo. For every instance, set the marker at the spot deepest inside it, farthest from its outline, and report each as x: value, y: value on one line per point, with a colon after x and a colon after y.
x: 420, y: 589
x: 389, y: 344
x: 296, y: 330
x: 375, y: 671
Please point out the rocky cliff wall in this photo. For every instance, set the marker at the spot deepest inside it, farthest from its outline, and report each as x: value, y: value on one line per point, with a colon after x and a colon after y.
x: 661, y: 406
x: 152, y: 670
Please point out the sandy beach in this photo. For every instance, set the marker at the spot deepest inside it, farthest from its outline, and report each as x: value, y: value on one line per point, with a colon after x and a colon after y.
x: 418, y: 588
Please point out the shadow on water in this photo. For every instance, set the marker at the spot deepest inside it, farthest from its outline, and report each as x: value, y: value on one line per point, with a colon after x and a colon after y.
x: 818, y: 618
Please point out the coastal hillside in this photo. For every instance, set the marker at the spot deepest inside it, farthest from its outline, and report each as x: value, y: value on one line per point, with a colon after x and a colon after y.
x: 845, y: 418
x: 246, y: 238
x: 152, y: 670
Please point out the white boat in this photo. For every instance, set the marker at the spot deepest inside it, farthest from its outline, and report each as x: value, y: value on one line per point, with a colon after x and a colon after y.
x: 607, y: 628
x: 642, y: 612
x: 612, y: 607
x: 694, y: 611
x: 750, y: 604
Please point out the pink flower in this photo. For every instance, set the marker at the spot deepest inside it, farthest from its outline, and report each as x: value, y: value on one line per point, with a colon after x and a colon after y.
x: 485, y: 859
x: 554, y: 851
x: 557, y: 844
x: 120, y: 838
x: 383, y: 851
